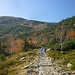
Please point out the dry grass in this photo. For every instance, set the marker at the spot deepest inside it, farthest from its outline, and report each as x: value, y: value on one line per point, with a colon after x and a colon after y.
x: 17, y: 68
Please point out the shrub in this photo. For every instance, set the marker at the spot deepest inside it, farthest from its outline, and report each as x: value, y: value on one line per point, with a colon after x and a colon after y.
x: 65, y: 62
x: 7, y: 63
x: 4, y: 71
x: 73, y: 64
x: 73, y: 67
x: 55, y: 54
x: 70, y: 58
x: 1, y: 57
x: 2, y: 65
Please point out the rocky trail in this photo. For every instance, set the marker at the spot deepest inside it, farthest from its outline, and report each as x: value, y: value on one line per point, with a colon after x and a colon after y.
x: 44, y: 65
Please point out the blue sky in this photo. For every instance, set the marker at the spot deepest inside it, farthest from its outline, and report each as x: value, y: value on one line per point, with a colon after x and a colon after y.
x: 42, y: 10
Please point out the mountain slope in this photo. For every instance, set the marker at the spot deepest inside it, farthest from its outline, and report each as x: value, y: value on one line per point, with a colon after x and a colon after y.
x: 10, y: 20
x: 37, y: 30
x: 15, y: 25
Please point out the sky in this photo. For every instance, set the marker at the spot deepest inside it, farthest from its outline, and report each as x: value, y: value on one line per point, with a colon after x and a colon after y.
x: 41, y: 10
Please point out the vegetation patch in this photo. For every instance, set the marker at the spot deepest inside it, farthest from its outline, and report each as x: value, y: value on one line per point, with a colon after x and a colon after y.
x: 54, y: 54
x: 70, y: 58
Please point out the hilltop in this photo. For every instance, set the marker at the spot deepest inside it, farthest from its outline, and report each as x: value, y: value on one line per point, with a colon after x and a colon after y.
x: 16, y: 25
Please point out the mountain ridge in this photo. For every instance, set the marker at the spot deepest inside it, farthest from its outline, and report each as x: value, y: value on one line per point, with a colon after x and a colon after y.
x: 18, y: 25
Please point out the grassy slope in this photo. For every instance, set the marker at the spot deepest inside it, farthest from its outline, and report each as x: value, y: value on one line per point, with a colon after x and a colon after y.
x: 13, y: 65
x: 69, y: 57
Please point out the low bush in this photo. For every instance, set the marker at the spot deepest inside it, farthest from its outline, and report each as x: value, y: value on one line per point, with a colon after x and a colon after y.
x: 73, y: 64
x: 4, y: 71
x: 7, y: 63
x: 55, y: 54
x: 70, y: 58
x: 1, y: 57
x: 65, y: 62
x: 2, y: 65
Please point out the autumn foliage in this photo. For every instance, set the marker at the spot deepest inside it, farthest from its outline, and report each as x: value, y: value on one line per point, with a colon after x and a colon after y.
x: 14, y: 46
x: 70, y: 34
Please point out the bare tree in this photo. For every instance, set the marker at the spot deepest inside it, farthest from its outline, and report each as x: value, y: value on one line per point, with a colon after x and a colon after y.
x: 61, y: 36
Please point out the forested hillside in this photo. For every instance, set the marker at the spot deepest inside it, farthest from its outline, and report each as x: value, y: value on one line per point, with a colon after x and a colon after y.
x: 21, y: 35
x: 15, y: 25
x: 47, y: 34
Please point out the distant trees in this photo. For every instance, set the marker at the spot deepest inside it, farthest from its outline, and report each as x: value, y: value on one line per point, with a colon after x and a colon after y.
x: 70, y: 34
x: 26, y: 45
x: 1, y: 57
x: 55, y: 35
x: 2, y: 47
x: 14, y: 45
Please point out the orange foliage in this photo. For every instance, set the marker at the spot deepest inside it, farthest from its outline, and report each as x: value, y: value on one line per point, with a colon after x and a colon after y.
x: 15, y: 46
x: 70, y: 34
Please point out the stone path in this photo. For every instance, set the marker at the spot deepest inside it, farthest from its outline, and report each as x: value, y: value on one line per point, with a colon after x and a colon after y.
x: 47, y: 66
